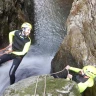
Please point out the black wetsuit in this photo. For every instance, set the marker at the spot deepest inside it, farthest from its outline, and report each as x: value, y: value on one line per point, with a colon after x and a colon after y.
x: 19, y: 41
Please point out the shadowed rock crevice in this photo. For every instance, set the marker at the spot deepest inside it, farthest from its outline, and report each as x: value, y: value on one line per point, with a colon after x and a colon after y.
x: 12, y: 14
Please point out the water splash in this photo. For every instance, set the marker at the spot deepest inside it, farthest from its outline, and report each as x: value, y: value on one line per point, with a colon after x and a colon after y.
x: 30, y: 66
x: 50, y: 19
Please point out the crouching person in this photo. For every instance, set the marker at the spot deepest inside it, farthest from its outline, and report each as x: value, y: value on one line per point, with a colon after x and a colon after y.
x: 84, y: 77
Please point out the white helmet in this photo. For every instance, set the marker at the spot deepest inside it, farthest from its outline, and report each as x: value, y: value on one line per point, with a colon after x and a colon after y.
x: 26, y: 25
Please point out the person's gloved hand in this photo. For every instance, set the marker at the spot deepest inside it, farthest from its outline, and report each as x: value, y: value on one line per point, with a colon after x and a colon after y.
x: 82, y: 72
x: 9, y: 50
x: 69, y: 77
x: 67, y: 67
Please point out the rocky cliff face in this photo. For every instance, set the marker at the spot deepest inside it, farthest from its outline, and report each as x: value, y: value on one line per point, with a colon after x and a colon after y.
x: 12, y: 14
x: 79, y: 46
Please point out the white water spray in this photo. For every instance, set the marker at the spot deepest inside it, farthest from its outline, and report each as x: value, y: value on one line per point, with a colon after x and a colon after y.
x: 30, y: 66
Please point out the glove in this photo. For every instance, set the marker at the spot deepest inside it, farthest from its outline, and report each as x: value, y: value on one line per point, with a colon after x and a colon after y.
x: 8, y: 51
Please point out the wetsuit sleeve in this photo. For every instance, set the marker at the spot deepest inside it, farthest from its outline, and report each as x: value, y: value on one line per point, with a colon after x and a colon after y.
x: 25, y: 49
x: 75, y: 69
x: 83, y: 86
x: 11, y: 34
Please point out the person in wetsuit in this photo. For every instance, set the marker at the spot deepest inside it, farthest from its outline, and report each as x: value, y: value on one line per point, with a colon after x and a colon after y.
x: 19, y: 43
x: 84, y: 77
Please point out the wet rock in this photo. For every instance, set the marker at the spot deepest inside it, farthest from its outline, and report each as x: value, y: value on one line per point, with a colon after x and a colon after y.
x: 1, y: 8
x: 79, y: 46
x: 41, y: 86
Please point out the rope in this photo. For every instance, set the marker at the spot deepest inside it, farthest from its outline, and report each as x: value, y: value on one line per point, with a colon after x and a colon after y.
x: 44, y: 94
x: 62, y: 71
x: 36, y: 86
x: 59, y: 71
x: 4, y: 48
x: 6, y: 53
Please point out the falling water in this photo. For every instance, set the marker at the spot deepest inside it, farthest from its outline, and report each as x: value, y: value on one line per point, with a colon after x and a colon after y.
x: 50, y: 20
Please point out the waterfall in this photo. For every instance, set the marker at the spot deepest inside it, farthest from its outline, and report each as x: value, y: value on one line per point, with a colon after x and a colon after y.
x: 50, y: 20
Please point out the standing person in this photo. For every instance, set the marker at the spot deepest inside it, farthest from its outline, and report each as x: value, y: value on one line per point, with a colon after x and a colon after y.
x: 19, y: 45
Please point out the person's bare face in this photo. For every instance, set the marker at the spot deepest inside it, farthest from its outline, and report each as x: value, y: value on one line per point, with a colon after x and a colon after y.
x: 27, y: 31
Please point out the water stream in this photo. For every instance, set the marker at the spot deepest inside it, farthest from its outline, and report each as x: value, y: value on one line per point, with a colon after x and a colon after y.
x: 50, y: 20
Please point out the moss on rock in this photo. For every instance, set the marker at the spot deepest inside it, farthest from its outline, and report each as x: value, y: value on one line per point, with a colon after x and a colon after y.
x: 43, y: 85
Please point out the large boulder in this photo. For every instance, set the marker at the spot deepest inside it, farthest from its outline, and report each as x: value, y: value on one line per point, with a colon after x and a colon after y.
x: 43, y: 86
x: 79, y: 45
